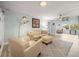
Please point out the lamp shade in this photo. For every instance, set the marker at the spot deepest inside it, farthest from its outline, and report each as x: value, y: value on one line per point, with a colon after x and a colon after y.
x: 24, y: 20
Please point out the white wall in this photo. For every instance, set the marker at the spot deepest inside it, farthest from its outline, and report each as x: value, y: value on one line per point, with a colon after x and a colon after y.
x: 72, y: 11
x: 1, y: 27
x: 12, y: 20
x: 53, y: 28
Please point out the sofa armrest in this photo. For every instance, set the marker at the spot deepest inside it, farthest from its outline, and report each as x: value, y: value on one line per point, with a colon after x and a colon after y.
x: 34, y: 49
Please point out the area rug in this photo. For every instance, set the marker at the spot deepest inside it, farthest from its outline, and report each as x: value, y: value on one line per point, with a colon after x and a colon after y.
x: 58, y: 48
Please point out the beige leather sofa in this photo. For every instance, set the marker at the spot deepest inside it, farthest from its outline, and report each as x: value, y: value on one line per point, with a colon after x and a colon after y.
x: 43, y: 34
x: 37, y: 34
x: 21, y: 49
x: 34, y: 35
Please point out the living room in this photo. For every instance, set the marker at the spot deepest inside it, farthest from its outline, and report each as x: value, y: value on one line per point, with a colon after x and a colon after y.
x: 39, y: 28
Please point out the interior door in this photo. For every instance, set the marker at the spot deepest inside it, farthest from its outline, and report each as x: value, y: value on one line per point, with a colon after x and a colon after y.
x: 53, y: 28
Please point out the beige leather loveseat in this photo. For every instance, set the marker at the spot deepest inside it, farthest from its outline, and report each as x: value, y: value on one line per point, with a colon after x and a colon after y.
x: 21, y: 49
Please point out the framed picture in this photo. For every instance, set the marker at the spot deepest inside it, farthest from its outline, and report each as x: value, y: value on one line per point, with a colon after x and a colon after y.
x: 35, y: 23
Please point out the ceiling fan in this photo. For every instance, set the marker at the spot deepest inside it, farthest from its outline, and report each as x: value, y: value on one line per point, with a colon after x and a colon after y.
x: 63, y: 18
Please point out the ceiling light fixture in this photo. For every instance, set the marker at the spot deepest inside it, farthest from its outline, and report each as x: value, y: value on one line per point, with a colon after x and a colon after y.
x: 43, y: 4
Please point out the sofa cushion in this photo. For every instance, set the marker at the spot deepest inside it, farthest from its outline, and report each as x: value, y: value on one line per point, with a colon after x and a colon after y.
x: 30, y: 33
x: 26, y: 45
x: 25, y: 41
x: 36, y: 34
x: 27, y: 38
x: 31, y: 42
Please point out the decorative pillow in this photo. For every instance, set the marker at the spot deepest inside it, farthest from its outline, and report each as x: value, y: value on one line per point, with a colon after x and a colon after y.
x: 37, y: 36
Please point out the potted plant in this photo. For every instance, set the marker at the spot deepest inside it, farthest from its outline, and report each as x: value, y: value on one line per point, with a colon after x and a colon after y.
x: 66, y: 26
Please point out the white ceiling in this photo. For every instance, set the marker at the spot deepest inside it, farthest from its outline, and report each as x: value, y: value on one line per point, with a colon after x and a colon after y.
x: 53, y: 9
